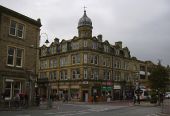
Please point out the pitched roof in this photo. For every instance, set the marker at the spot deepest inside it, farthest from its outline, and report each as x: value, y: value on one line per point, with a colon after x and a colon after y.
x: 20, y: 16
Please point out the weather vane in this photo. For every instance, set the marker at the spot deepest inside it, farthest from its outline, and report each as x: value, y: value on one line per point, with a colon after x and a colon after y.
x: 84, y: 8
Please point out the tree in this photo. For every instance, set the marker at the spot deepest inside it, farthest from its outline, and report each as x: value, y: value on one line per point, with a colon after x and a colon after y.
x: 159, y: 81
x: 159, y: 78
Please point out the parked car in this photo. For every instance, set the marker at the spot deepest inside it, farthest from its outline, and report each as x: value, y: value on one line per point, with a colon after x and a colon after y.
x: 167, y: 95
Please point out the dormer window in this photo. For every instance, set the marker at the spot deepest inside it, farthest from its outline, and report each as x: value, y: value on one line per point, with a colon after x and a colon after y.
x: 43, y: 52
x: 64, y: 47
x: 106, y: 48
x: 117, y: 52
x: 53, y: 50
x: 126, y: 54
x: 75, y: 45
x: 94, y: 45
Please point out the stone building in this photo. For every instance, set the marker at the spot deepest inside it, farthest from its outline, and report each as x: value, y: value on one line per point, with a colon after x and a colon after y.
x: 86, y: 66
x: 19, y: 40
x: 146, y: 68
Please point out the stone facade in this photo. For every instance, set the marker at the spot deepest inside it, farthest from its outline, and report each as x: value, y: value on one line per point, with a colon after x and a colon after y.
x: 86, y: 67
x: 19, y: 40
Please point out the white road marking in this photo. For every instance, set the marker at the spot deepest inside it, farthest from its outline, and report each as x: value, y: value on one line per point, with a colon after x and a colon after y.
x: 72, y: 114
x: 153, y: 115
x: 23, y: 115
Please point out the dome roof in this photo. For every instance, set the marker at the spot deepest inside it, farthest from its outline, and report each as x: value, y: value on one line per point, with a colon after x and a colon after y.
x: 85, y: 21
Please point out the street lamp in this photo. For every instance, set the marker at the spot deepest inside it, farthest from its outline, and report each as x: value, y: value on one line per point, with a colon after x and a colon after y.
x: 46, y: 41
x: 49, y: 104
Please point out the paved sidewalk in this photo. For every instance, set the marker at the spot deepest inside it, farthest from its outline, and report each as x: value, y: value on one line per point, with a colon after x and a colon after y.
x: 56, y: 104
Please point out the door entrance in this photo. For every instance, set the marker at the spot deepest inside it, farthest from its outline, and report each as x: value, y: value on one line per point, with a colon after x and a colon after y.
x: 85, y: 96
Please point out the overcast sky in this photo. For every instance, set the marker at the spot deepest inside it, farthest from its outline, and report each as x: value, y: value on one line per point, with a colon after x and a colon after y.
x: 142, y: 25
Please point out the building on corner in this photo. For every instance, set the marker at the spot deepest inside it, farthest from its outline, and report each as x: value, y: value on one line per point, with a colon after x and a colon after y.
x: 87, y: 67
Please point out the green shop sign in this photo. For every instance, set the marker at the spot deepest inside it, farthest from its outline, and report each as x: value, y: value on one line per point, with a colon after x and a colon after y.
x: 104, y: 88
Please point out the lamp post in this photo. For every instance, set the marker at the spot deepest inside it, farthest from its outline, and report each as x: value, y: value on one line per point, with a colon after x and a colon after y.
x: 37, y: 97
x: 49, y: 103
x: 30, y: 80
x: 138, y: 91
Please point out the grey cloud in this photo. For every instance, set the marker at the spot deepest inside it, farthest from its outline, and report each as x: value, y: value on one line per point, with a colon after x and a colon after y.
x: 142, y: 25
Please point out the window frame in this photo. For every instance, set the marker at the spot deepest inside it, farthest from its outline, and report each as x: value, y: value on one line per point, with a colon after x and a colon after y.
x: 15, y: 57
x: 85, y: 73
x: 22, y: 52
x: 85, y: 43
x: 63, y: 73
x: 76, y: 74
x: 85, y: 58
x: 8, y: 56
x: 17, y: 29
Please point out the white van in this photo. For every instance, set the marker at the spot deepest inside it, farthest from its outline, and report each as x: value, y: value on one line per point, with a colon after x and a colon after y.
x: 167, y: 95
x: 145, y: 95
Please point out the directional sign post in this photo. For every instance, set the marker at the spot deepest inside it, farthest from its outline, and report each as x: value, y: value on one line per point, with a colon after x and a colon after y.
x: 138, y: 92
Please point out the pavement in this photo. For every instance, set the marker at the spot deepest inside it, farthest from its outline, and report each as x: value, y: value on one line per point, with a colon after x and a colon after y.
x: 84, y: 108
x: 126, y: 103
x: 54, y: 105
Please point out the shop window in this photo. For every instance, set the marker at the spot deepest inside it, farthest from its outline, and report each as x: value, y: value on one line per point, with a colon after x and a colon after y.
x: 8, y: 90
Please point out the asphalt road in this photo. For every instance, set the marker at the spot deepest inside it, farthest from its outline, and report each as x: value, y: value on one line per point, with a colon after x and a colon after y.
x: 87, y: 110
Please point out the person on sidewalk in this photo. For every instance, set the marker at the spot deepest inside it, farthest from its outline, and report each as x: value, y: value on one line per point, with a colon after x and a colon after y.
x: 138, y: 98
